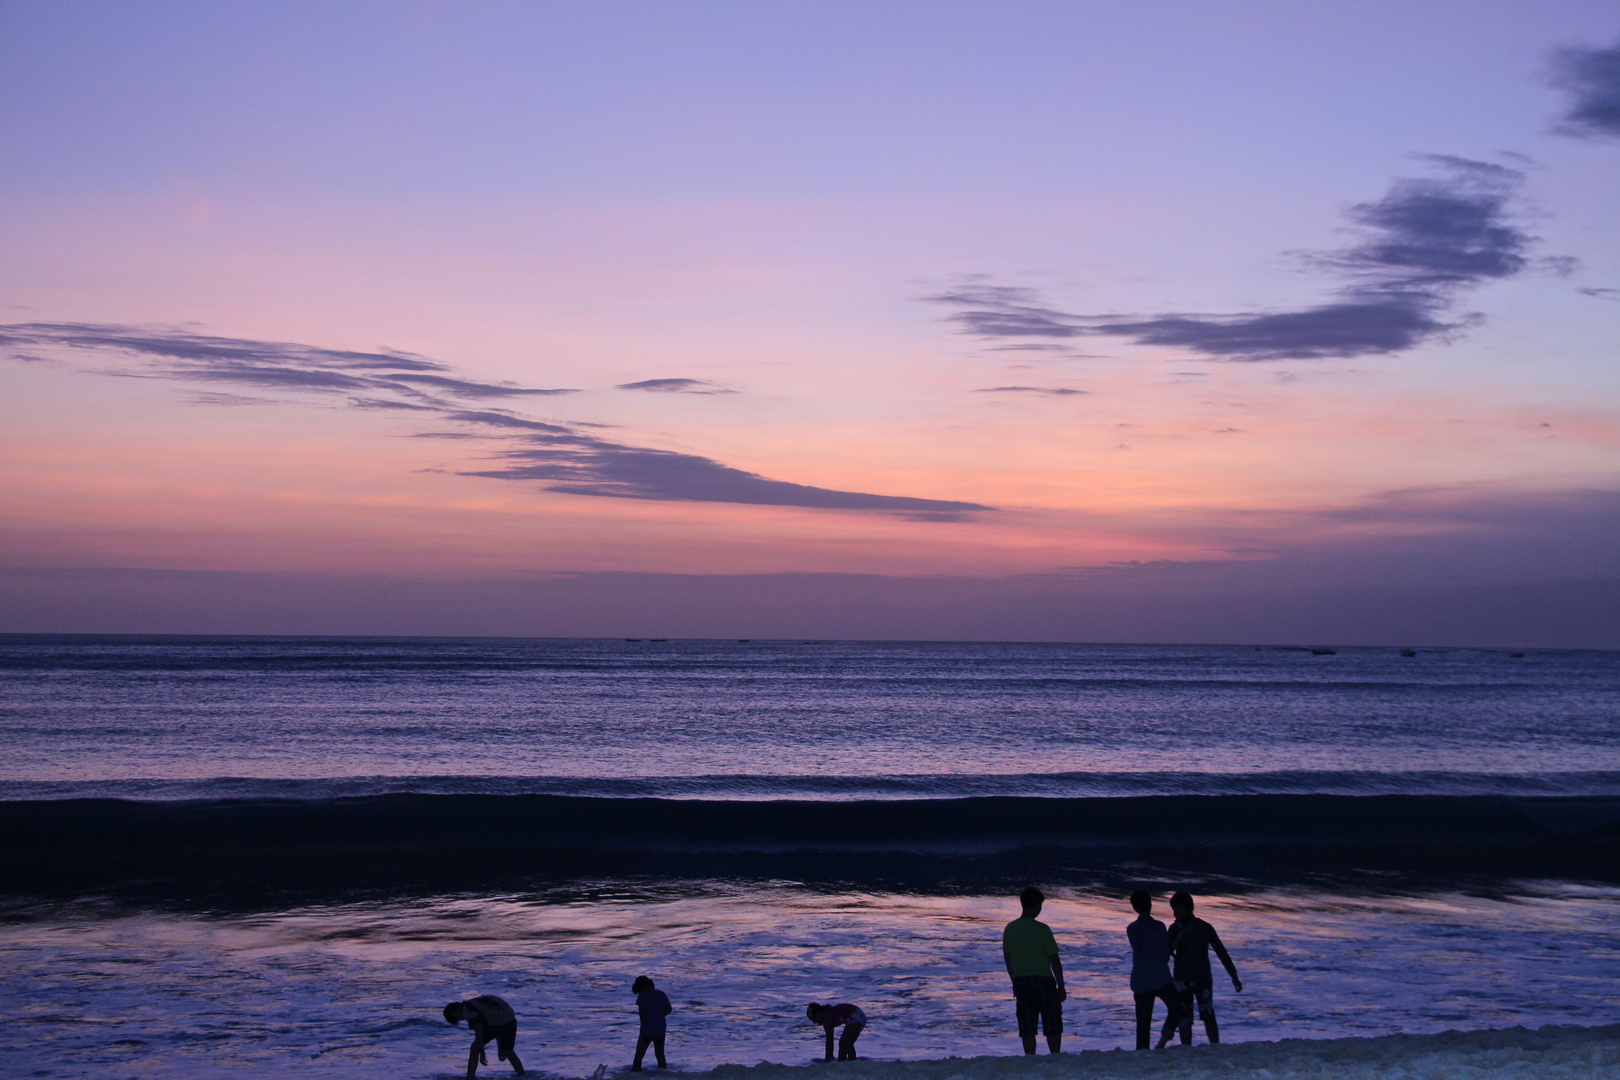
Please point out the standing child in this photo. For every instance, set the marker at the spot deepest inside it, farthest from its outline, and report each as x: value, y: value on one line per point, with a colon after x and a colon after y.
x: 1031, y: 954
x: 829, y: 1017
x: 1191, y: 938
x: 491, y: 1019
x: 653, y: 1005
x: 1150, y: 971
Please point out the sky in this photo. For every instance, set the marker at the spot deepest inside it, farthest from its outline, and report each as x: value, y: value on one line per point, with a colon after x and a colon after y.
x: 1207, y: 322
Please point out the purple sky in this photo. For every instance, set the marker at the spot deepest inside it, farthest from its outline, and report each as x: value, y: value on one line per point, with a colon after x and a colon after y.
x: 1156, y: 322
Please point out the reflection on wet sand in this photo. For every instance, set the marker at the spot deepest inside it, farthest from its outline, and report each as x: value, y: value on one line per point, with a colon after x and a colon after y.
x: 356, y: 989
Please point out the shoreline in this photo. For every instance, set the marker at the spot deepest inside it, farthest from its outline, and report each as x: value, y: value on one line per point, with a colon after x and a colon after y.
x: 1555, y: 1052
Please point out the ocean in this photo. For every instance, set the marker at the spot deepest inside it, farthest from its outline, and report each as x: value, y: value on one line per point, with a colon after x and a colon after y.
x: 289, y: 853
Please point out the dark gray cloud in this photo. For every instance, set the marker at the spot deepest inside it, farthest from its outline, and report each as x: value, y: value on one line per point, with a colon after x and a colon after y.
x: 585, y: 466
x: 1356, y: 327
x: 1417, y: 248
x: 565, y: 457
x: 676, y: 386
x: 1055, y: 391
x: 1591, y: 78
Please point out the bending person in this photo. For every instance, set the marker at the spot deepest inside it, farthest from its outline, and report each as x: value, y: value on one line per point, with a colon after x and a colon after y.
x: 829, y: 1017
x: 491, y: 1020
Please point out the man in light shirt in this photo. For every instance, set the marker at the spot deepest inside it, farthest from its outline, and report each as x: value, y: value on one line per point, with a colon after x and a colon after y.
x: 1037, y: 975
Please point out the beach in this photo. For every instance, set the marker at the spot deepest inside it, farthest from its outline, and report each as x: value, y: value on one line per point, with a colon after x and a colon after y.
x: 286, y: 855
x: 1547, y: 1053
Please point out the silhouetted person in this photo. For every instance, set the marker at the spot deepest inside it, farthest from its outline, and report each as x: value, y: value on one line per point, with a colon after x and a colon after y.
x: 1037, y: 975
x: 829, y: 1017
x: 1150, y: 971
x: 1191, y: 938
x: 653, y: 1005
x: 491, y: 1019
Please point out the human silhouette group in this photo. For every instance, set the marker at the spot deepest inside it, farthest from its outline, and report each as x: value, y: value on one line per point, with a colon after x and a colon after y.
x: 1030, y: 951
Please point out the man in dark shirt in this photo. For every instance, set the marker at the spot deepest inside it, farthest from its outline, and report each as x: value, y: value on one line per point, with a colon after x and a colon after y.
x: 1191, y: 938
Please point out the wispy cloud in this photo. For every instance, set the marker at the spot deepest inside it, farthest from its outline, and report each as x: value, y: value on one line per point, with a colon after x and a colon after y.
x: 676, y: 386
x: 1008, y: 311
x: 1054, y: 391
x: 1591, y: 78
x: 463, y: 388
x: 271, y: 364
x: 1418, y: 247
x: 565, y: 457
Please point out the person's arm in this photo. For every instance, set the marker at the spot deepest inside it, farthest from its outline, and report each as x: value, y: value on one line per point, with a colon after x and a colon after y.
x: 1057, y: 973
x: 668, y: 1008
x: 1006, y: 957
x: 829, y: 1028
x: 1226, y: 959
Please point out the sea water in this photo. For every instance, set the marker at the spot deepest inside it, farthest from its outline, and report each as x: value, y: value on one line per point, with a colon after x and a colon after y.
x: 123, y: 983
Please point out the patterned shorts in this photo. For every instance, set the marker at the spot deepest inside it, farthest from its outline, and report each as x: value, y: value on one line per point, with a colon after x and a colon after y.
x: 1036, y: 997
x: 1201, y: 996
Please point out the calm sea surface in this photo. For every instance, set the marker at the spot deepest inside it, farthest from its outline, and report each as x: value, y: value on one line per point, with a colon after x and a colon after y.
x: 184, y: 718
x: 352, y: 986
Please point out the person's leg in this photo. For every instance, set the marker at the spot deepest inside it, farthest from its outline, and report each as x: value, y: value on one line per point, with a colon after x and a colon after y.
x: 846, y: 1042
x: 474, y: 1056
x: 1028, y: 1010
x: 658, y: 1051
x: 1052, y: 1016
x: 506, y: 1045
x: 1206, y: 1012
x: 1172, y: 1004
x: 642, y: 1042
x: 1185, y: 993
x: 1144, y: 1019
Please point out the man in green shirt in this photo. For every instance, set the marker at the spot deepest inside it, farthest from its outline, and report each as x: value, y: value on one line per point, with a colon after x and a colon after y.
x: 1037, y: 975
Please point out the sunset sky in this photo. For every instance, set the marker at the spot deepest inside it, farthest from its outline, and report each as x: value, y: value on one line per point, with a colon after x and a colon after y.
x: 1254, y: 322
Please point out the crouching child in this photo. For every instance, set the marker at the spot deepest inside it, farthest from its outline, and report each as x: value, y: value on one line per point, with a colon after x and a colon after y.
x: 491, y: 1020
x: 830, y: 1017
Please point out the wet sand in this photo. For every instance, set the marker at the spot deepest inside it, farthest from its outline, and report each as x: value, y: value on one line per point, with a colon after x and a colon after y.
x: 1549, y: 1053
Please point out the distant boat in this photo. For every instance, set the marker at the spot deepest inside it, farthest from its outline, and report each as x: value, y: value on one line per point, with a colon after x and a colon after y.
x: 658, y: 639
x: 1408, y: 652
x: 632, y: 639
x: 1324, y: 652
x: 1517, y: 655
x: 744, y: 640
